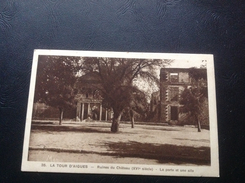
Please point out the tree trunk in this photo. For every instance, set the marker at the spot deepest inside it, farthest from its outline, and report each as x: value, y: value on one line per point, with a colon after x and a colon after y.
x: 198, y: 124
x: 61, y: 116
x: 115, y: 122
x: 132, y: 118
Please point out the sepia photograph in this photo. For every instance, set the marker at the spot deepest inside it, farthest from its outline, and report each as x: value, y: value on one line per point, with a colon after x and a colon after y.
x: 121, y: 113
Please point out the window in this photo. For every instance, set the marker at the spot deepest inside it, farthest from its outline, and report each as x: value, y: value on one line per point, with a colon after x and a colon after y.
x: 184, y: 77
x: 174, y: 77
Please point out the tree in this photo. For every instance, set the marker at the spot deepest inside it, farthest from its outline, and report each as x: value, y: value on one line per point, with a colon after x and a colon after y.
x: 116, y: 76
x: 193, y: 97
x: 56, y: 76
x: 138, y: 105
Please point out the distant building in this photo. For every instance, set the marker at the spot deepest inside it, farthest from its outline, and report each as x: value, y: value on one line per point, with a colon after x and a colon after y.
x: 88, y: 103
x: 89, y: 100
x: 172, y: 83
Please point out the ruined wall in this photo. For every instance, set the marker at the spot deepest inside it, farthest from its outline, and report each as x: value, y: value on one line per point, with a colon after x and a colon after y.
x: 172, y: 83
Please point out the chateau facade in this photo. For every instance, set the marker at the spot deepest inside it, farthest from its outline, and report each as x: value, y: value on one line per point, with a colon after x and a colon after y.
x: 89, y: 100
x: 172, y: 82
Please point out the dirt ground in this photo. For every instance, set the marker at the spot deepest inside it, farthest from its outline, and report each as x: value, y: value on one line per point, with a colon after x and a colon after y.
x: 94, y: 143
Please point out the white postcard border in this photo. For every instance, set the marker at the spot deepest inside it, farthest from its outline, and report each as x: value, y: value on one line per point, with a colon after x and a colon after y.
x: 133, y: 169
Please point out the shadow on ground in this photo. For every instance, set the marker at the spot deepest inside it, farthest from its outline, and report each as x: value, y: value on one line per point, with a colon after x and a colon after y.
x: 76, y: 128
x: 60, y: 128
x: 92, y: 128
x: 194, y: 140
x: 163, y: 129
x: 163, y: 153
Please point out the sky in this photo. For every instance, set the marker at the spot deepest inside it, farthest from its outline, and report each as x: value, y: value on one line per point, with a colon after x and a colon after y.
x: 185, y: 64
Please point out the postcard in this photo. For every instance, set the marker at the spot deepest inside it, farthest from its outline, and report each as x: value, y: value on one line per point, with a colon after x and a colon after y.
x: 98, y: 112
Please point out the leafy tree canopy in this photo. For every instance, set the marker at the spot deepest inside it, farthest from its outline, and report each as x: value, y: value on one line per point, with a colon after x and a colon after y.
x: 116, y: 76
x: 55, y: 80
x: 194, y: 96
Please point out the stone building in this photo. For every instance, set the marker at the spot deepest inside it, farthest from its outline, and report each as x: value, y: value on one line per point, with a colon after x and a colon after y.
x: 89, y: 100
x: 172, y: 83
x: 88, y: 104
x: 165, y: 106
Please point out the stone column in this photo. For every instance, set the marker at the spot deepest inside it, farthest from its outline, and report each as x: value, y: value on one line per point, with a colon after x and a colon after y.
x: 105, y: 114
x: 82, y: 115
x: 100, y: 111
x: 78, y: 111
x: 89, y: 111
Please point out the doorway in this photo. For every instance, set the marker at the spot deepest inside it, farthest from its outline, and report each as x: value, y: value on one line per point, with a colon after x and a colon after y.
x: 174, y: 113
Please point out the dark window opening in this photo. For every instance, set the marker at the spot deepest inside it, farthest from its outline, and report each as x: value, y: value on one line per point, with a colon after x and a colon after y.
x: 174, y: 77
x: 174, y: 113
